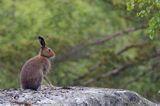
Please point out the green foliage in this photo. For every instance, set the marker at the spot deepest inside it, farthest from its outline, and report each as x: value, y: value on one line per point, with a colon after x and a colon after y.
x: 149, y: 11
x: 69, y: 25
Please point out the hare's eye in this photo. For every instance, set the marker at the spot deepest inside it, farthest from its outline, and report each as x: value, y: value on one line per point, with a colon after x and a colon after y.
x: 49, y: 50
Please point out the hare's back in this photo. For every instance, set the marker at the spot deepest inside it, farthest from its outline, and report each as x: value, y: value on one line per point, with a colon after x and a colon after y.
x: 33, y: 66
x: 31, y: 74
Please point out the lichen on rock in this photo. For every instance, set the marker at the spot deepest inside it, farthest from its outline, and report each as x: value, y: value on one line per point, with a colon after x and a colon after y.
x: 75, y: 96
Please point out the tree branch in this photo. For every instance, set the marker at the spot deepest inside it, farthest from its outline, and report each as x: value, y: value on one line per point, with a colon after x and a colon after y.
x: 136, y: 78
x: 114, y: 35
x: 109, y: 73
x: 138, y: 45
x: 77, y: 50
x: 121, y: 68
x: 126, y: 48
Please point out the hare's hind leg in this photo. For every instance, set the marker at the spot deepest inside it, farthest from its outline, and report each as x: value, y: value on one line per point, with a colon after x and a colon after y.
x: 33, y: 84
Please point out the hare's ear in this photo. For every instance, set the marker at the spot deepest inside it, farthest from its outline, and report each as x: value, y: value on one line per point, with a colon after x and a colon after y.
x: 42, y: 41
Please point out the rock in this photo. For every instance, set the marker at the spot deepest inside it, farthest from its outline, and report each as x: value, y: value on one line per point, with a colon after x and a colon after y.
x: 74, y: 96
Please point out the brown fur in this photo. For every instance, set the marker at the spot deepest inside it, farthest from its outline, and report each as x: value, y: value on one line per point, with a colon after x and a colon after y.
x: 35, y: 69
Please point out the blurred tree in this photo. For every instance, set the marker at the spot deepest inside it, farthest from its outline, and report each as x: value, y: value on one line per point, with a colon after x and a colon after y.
x: 148, y: 10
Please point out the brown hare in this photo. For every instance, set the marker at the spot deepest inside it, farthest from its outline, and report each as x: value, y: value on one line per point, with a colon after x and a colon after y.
x: 36, y: 68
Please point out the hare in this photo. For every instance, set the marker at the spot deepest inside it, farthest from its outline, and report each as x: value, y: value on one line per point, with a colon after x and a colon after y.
x: 36, y: 68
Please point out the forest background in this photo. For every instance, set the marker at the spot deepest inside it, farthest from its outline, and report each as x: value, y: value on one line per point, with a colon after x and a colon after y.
x: 102, y: 43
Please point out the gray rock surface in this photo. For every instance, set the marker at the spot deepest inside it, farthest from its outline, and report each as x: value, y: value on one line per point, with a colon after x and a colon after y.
x: 75, y: 96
